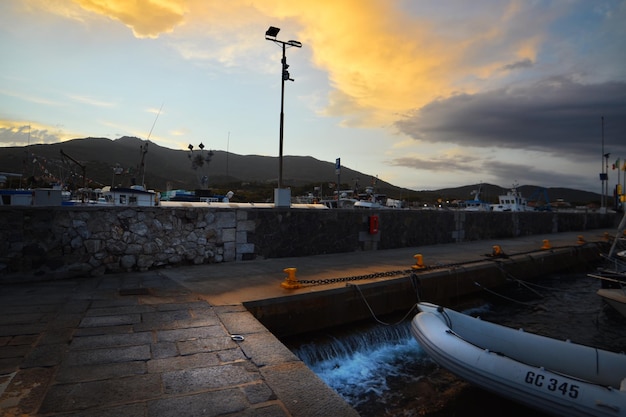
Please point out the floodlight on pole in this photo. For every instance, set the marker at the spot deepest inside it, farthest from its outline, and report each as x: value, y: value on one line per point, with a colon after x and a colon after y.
x: 270, y: 35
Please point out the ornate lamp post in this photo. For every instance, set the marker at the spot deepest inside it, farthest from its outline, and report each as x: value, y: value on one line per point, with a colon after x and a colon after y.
x: 198, y: 161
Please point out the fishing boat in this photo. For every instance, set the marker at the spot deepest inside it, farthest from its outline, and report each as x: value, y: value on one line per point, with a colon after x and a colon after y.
x: 369, y: 204
x: 341, y: 203
x: 135, y: 195
x: 31, y: 197
x: 512, y: 201
x: 476, y: 204
x: 14, y: 197
x: 552, y: 376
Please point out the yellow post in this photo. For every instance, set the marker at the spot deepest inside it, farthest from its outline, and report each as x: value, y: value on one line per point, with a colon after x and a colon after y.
x: 290, y: 282
x: 497, y: 251
x: 581, y: 240
x: 546, y: 244
x: 419, y: 262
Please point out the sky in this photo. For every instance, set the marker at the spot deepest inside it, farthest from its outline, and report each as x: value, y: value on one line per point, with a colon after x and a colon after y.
x: 423, y: 94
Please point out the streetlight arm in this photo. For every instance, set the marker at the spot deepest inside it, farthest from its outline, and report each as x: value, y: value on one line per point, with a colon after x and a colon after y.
x: 295, y: 44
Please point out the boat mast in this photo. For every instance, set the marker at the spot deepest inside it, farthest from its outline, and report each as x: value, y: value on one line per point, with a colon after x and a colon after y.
x: 144, y: 149
x: 84, y: 173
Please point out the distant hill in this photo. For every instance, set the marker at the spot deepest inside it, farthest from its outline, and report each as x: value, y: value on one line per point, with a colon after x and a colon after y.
x: 491, y: 192
x: 167, y: 168
x: 119, y: 161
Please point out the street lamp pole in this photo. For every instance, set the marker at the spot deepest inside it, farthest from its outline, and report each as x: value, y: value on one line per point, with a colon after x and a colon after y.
x: 281, y: 197
x: 282, y: 122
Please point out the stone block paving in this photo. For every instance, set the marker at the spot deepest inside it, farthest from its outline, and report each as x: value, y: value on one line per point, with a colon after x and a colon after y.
x: 140, y: 345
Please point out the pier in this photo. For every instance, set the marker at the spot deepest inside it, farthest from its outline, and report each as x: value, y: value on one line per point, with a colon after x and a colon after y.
x: 205, y: 339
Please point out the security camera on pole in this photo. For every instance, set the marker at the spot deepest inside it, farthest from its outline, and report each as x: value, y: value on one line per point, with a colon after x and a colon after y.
x: 282, y: 196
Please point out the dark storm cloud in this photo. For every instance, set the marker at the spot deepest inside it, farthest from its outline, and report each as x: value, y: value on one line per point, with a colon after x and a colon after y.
x: 491, y: 168
x: 524, y: 63
x: 442, y: 164
x: 557, y: 116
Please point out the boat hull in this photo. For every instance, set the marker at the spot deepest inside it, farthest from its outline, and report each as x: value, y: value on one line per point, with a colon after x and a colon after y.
x: 614, y: 297
x: 534, y: 385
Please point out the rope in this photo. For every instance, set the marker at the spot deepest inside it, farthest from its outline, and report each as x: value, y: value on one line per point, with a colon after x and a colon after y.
x: 374, y: 314
x: 448, y: 321
x: 519, y: 281
x: 415, y: 283
x: 502, y: 296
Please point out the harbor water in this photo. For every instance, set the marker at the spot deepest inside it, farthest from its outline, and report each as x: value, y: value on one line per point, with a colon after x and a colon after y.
x: 381, y: 370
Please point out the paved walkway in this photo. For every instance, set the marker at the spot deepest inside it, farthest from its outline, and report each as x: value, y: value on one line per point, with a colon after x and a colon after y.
x: 178, y: 342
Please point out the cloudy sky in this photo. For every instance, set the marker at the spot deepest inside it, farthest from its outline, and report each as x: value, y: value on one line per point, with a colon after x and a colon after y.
x: 424, y: 94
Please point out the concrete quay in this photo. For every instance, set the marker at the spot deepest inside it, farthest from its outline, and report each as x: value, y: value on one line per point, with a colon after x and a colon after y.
x: 179, y: 342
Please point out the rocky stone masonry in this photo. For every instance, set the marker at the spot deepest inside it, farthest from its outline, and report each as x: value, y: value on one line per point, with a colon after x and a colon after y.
x: 93, y: 241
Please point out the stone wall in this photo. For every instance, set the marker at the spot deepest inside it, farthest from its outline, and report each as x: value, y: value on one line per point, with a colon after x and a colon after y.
x: 303, y: 233
x: 59, y: 242
x: 64, y: 242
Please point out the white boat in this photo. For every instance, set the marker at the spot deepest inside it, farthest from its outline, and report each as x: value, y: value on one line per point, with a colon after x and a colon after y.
x: 553, y: 376
x: 512, y: 201
x: 369, y: 204
x: 615, y: 297
x: 476, y: 204
x: 14, y: 197
x: 204, y: 196
x: 136, y: 195
x: 31, y: 197
x: 342, y: 203
x: 617, y: 251
x: 228, y: 205
x: 612, y: 274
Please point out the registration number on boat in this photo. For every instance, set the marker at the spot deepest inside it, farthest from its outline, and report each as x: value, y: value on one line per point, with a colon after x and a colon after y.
x: 552, y: 384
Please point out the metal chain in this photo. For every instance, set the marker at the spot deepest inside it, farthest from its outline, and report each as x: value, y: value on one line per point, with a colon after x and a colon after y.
x: 354, y: 278
x: 412, y: 271
x: 405, y: 272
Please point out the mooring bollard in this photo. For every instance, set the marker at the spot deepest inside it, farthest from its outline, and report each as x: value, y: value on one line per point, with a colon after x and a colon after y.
x: 419, y: 262
x: 546, y: 245
x: 290, y: 282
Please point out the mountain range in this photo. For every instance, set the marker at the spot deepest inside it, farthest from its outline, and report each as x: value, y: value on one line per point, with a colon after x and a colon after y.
x: 130, y: 160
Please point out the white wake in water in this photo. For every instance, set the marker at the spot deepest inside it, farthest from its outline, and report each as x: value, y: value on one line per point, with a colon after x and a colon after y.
x: 360, y: 365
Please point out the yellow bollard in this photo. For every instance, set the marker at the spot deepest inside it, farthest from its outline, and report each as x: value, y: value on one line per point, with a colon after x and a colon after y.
x: 497, y: 251
x: 419, y: 262
x: 546, y: 244
x: 581, y: 240
x: 290, y: 282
